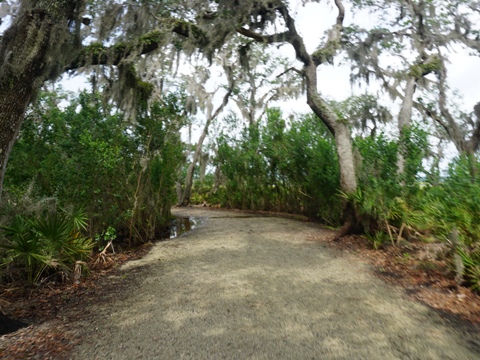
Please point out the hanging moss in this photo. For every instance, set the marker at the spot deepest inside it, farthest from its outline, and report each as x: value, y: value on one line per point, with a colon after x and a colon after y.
x: 52, y: 8
x: 327, y: 53
x: 333, y: 45
x: 131, y: 92
x: 97, y: 53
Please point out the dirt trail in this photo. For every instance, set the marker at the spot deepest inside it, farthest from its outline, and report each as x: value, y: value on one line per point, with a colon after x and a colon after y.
x: 242, y: 287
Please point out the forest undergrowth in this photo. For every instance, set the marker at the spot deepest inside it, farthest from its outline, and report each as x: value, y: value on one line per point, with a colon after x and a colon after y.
x: 82, y: 182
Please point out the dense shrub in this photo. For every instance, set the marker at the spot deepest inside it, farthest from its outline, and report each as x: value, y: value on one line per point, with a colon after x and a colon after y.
x: 281, y: 167
x: 383, y: 200
x: 392, y: 206
x: 453, y: 206
x: 87, y: 155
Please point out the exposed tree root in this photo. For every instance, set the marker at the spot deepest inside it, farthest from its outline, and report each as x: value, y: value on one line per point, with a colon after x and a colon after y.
x: 351, y: 224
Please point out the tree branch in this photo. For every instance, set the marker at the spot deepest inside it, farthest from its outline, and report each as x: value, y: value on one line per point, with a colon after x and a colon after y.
x: 291, y: 69
x: 290, y: 36
x: 98, y: 54
x: 474, y: 142
x: 453, y: 129
x: 431, y: 113
x: 333, y: 44
x: 267, y: 39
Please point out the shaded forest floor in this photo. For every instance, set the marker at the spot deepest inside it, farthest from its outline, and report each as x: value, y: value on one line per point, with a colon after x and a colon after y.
x: 54, y: 311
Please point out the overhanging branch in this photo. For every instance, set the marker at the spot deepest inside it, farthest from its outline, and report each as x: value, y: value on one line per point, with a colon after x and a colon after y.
x: 98, y: 54
x: 290, y: 36
x: 333, y: 44
x: 267, y: 39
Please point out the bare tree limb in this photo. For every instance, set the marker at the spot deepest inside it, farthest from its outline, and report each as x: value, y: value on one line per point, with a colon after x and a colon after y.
x: 300, y: 72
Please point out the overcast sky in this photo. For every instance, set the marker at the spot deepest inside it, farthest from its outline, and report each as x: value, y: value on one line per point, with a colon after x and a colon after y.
x: 334, y: 82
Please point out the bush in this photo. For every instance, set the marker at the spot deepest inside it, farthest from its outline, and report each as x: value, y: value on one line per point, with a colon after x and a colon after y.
x: 281, y: 167
x: 87, y: 155
x: 390, y: 205
x: 386, y: 201
x: 52, y: 241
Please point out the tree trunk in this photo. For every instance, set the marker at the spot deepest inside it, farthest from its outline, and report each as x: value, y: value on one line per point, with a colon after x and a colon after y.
x: 204, y: 157
x: 339, y: 128
x: 35, y: 48
x: 185, y: 199
x: 343, y: 144
x: 187, y: 192
x: 405, y: 117
x: 454, y: 131
x: 13, y: 104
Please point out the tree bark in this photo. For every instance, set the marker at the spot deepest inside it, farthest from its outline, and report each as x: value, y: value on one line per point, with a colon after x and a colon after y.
x: 405, y: 117
x: 343, y: 144
x: 184, y: 200
x: 187, y: 192
x: 338, y: 127
x: 13, y: 104
x: 32, y: 50
x: 204, y: 158
x: 429, y: 64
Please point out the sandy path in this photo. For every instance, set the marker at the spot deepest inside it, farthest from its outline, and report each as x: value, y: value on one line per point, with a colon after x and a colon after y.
x: 256, y: 288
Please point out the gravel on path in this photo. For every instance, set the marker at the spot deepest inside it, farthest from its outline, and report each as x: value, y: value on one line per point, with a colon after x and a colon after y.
x: 256, y: 287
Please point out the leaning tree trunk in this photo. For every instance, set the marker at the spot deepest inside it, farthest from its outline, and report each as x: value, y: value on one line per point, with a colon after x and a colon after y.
x: 337, y: 126
x: 204, y: 158
x: 187, y: 192
x: 185, y: 199
x: 339, y: 129
x: 34, y: 48
x: 343, y: 144
x: 429, y: 64
x: 13, y: 104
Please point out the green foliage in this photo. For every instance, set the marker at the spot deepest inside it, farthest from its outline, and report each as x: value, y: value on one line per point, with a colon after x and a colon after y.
x: 87, y: 155
x: 103, y: 239
x: 454, y: 202
x: 379, y: 170
x: 364, y: 112
x: 390, y: 205
x: 419, y: 70
x: 281, y: 167
x: 50, y: 241
x: 377, y: 239
x: 413, y: 147
x: 202, y: 191
x: 385, y: 201
x: 471, y: 262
